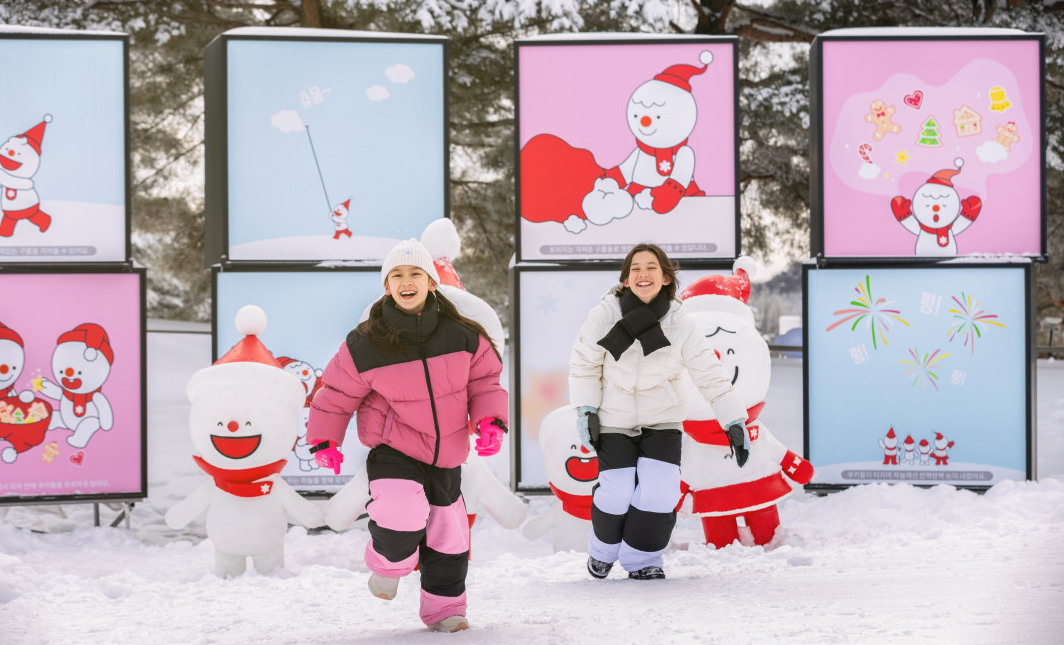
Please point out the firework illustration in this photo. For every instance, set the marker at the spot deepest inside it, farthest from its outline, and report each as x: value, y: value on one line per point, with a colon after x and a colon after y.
x: 969, y: 320
x: 872, y: 312
x: 923, y: 368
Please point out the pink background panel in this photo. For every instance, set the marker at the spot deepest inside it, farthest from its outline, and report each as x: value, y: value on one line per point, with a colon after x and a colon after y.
x: 42, y: 307
x: 951, y: 73
x: 580, y: 93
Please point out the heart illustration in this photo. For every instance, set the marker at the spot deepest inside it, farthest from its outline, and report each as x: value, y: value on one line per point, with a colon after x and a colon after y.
x: 77, y: 458
x: 915, y: 99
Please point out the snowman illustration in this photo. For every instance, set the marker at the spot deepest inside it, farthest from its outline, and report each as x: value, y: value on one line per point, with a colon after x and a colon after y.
x: 572, y: 473
x: 889, y: 444
x: 339, y: 218
x: 908, y: 455
x: 20, y: 158
x: 936, y: 214
x: 715, y: 487
x: 924, y: 450
x: 12, y: 360
x: 23, y: 418
x: 243, y: 420
x: 939, y: 453
x: 81, y: 363
x: 560, y: 182
x: 311, y: 380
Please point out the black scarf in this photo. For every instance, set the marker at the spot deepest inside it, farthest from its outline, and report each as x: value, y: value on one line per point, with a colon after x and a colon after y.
x: 639, y: 321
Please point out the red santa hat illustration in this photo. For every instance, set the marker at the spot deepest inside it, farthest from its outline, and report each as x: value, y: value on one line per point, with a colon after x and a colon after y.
x: 680, y: 75
x: 724, y: 293
x: 95, y: 339
x: 248, y: 362
x: 890, y: 433
x: 909, y: 441
x: 343, y: 209
x: 945, y: 177
x: 6, y: 333
x: 938, y: 436
x: 35, y: 135
x: 441, y: 239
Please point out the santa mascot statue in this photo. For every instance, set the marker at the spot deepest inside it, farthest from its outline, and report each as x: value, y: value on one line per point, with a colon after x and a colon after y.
x: 572, y: 472
x: 481, y: 489
x: 244, y: 421
x: 715, y: 487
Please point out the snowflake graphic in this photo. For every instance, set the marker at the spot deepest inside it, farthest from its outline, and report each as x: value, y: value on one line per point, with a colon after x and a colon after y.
x: 665, y: 165
x: 569, y: 284
x: 871, y: 311
x: 923, y: 368
x: 970, y: 320
x: 547, y: 304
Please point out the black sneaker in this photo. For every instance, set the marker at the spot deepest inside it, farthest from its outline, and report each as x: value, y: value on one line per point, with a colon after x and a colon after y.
x: 598, y: 568
x: 647, y: 573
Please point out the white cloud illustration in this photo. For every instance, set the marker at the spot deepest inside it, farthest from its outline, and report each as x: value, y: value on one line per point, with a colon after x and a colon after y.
x: 992, y: 152
x: 287, y: 121
x: 377, y: 93
x: 399, y: 73
x: 574, y: 224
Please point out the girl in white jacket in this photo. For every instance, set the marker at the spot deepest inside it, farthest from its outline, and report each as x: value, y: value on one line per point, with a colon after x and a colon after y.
x: 625, y: 381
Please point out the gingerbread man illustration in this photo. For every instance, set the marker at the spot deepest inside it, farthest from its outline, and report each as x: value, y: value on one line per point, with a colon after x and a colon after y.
x: 881, y: 115
x: 1007, y: 135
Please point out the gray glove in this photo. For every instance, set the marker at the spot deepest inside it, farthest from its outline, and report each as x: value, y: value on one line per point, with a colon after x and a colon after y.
x: 739, y: 441
x: 587, y: 424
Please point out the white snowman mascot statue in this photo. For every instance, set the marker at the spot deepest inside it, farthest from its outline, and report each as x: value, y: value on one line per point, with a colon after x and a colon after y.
x: 661, y: 114
x: 715, y: 487
x: 243, y: 421
x: 936, y: 214
x: 572, y: 472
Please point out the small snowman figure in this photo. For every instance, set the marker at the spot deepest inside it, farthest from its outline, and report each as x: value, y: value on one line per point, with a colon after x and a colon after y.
x: 339, y: 218
x: 81, y: 363
x: 20, y: 158
x: 889, y: 444
x: 12, y: 360
x: 572, y: 473
x: 15, y: 438
x: 936, y: 214
x: 661, y: 114
x: 941, y: 451
x: 908, y: 455
x: 716, y: 488
x: 243, y: 422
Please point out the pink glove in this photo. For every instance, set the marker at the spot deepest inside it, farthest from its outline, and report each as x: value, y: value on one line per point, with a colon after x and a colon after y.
x: 327, y: 455
x: 490, y: 440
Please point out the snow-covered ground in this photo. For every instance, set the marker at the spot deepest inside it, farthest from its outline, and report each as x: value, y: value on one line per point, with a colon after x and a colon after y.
x: 872, y: 564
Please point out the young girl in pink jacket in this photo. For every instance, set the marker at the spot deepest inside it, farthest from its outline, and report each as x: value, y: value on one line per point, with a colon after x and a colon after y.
x: 416, y: 372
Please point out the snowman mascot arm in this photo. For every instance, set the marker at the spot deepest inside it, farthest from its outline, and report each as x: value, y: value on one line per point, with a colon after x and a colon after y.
x: 50, y: 389
x: 103, y: 407
x: 538, y: 526
x: 301, y: 509
x: 183, y: 512
x: 349, y: 504
x: 481, y: 485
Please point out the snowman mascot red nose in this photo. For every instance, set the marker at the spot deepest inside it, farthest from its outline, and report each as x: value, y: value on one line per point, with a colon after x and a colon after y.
x: 244, y: 422
x: 715, y: 487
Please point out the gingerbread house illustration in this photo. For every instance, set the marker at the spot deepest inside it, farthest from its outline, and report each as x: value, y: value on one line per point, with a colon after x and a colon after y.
x: 967, y: 121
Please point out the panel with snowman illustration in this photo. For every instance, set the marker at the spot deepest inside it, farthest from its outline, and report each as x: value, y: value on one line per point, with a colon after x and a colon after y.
x: 621, y: 135
x: 919, y: 373
x: 550, y: 304
x: 72, y: 386
x: 309, y: 314
x: 64, y: 160
x: 323, y: 144
x: 927, y: 143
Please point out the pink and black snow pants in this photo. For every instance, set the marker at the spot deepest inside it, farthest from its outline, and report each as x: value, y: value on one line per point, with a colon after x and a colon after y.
x: 417, y: 515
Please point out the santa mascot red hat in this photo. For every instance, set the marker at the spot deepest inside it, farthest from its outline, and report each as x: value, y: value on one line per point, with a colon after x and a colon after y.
x: 440, y: 237
x: 248, y: 363
x: 727, y: 294
x: 945, y: 177
x: 6, y: 333
x: 35, y: 135
x: 680, y: 75
x: 95, y: 339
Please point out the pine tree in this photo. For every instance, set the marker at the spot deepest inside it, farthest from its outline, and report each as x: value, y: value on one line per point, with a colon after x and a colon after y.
x: 929, y: 135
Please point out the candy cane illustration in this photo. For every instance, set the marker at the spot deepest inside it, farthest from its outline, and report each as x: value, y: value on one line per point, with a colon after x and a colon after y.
x: 863, y: 151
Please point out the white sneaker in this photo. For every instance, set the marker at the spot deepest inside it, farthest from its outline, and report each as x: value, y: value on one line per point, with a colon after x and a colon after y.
x: 383, y: 586
x: 452, y: 624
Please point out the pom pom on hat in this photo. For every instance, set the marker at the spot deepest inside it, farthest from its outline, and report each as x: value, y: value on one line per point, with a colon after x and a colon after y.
x: 6, y: 333
x: 409, y: 252
x: 250, y: 321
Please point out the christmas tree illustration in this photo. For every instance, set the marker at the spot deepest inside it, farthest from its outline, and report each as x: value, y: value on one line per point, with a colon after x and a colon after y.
x: 929, y: 135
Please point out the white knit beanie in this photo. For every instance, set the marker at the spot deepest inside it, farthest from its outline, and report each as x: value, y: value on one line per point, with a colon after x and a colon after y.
x: 409, y: 252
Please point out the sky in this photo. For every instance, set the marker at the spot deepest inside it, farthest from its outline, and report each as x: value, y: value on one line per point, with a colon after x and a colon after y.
x: 871, y: 564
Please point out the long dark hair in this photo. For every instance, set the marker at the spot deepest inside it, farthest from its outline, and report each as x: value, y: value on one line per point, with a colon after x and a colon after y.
x: 668, y: 268
x: 390, y: 340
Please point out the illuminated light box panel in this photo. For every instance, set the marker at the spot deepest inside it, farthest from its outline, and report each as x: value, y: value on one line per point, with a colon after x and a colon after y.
x: 64, y: 160
x: 927, y: 143
x: 602, y: 118
x: 920, y: 374
x: 73, y: 400
x: 323, y: 144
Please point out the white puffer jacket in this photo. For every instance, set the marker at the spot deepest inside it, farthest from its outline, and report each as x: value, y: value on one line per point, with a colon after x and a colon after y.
x: 640, y: 390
